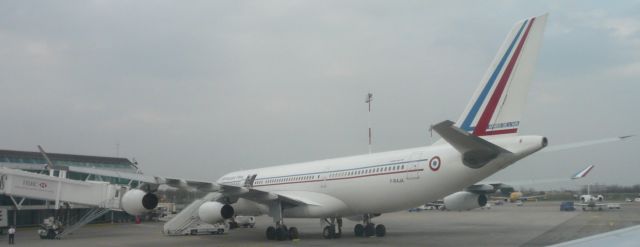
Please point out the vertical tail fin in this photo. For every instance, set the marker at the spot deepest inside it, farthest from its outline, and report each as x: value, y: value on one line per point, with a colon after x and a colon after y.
x: 497, y: 104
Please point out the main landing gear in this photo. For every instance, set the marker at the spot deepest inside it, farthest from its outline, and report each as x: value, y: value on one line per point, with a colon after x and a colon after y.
x: 368, y: 229
x: 280, y: 232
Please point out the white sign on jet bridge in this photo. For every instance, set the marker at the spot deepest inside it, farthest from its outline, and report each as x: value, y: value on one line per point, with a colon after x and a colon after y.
x: 33, y: 187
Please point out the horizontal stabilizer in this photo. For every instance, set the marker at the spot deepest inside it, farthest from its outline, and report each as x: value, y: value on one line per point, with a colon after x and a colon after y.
x: 568, y: 146
x: 476, y: 152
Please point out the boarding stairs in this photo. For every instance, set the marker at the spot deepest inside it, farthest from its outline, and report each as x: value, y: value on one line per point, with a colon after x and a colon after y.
x: 188, y: 217
x: 93, y: 214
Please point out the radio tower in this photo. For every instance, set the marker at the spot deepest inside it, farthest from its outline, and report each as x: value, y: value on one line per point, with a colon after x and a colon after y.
x: 368, y: 101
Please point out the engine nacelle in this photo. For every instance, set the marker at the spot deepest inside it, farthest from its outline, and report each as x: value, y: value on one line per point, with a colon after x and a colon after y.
x: 137, y: 202
x: 214, y: 212
x: 464, y: 200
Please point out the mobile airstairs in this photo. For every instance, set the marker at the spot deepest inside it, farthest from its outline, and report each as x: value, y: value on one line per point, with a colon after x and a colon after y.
x: 99, y: 197
x: 187, y: 219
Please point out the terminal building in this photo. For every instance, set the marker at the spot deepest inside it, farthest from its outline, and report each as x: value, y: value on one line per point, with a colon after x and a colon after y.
x: 33, y: 212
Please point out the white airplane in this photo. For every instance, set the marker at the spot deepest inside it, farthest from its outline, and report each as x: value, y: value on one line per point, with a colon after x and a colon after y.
x: 483, y: 141
x: 589, y: 201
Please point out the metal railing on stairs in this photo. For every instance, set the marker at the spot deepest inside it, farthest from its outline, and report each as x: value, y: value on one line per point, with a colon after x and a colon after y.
x: 93, y: 214
x: 187, y: 217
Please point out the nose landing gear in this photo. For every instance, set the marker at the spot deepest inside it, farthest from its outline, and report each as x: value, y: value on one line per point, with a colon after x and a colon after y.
x: 333, y: 228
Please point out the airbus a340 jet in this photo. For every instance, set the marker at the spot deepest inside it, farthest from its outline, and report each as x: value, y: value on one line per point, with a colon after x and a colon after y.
x: 483, y: 141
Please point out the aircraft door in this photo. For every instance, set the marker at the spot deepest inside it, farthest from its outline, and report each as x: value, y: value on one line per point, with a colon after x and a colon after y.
x: 323, y: 178
x: 413, y: 166
x: 248, y: 182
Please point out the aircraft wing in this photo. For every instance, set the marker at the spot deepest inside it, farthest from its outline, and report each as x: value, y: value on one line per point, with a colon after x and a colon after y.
x: 264, y: 197
x: 580, y: 174
x: 525, y: 198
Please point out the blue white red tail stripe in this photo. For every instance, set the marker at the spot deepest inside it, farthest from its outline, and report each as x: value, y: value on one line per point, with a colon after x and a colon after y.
x: 466, y: 125
x: 498, y: 102
x: 582, y: 173
x: 483, y: 124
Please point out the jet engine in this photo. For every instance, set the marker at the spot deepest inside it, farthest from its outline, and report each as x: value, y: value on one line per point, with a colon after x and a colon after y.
x: 137, y: 202
x: 214, y: 212
x: 464, y: 200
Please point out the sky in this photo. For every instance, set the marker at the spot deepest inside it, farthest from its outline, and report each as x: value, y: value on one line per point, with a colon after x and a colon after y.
x: 196, y: 89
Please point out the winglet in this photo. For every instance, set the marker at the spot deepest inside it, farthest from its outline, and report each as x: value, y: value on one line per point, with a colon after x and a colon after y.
x: 476, y: 152
x: 583, y: 173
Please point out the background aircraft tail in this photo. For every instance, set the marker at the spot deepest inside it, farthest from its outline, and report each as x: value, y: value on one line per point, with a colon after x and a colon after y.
x: 497, y: 104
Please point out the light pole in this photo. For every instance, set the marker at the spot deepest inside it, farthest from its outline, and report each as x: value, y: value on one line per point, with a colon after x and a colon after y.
x: 368, y: 101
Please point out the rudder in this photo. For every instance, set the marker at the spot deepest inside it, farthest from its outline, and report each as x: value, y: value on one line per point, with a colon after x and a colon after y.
x: 497, y: 105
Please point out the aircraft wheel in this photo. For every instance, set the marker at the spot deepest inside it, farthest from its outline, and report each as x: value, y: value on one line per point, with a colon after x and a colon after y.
x: 369, y: 230
x: 282, y: 233
x: 358, y: 230
x: 381, y: 230
x: 293, y: 233
x: 271, y: 233
x: 328, y: 232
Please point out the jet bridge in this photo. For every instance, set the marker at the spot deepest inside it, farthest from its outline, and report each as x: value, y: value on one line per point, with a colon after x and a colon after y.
x: 17, y: 183
x: 101, y: 197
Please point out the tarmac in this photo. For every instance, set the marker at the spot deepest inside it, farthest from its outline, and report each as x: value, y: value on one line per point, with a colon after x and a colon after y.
x: 533, y: 224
